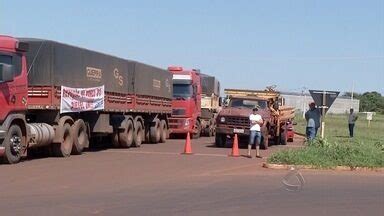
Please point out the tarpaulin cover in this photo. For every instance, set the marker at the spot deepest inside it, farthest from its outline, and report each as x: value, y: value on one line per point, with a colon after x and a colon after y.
x: 55, y: 64
x: 210, y: 85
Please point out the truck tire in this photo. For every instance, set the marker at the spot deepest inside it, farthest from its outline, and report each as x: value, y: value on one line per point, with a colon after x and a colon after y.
x: 155, y: 132
x: 198, y: 128
x: 220, y: 140
x: 138, y: 136
x: 126, y: 136
x: 80, y: 137
x: 283, y: 136
x: 13, y: 144
x: 64, y: 148
x: 164, y: 131
x: 115, y: 139
x: 265, y: 140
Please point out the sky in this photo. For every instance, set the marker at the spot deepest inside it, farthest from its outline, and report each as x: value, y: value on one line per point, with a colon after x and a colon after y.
x: 295, y: 45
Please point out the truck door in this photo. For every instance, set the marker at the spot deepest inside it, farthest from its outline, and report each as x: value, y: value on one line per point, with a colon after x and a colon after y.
x: 13, y: 93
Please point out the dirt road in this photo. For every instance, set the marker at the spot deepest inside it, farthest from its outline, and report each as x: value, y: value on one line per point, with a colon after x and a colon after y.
x: 157, y: 180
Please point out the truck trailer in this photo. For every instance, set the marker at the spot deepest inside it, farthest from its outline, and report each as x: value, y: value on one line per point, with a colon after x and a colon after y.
x: 210, y: 104
x: 59, y: 97
x: 195, y: 102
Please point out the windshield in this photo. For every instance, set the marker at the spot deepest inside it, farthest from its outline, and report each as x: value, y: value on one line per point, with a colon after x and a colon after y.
x: 182, y: 91
x: 11, y: 59
x: 236, y: 102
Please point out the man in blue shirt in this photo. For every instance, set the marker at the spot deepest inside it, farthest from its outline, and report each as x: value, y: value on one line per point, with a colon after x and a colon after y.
x: 313, y: 121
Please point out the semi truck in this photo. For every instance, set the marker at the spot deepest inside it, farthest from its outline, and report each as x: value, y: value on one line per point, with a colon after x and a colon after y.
x: 210, y: 104
x: 195, y: 102
x: 59, y: 97
x: 234, y: 116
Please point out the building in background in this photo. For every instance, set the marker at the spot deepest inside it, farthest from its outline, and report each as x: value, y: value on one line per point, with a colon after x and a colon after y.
x: 300, y: 102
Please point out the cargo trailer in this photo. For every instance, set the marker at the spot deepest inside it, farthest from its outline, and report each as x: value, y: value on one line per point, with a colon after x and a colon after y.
x: 60, y: 97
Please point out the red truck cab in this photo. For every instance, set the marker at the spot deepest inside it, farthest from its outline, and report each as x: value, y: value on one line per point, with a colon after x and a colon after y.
x: 13, y: 91
x: 186, y: 103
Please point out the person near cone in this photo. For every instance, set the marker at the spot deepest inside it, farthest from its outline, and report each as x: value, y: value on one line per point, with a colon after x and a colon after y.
x: 256, y: 122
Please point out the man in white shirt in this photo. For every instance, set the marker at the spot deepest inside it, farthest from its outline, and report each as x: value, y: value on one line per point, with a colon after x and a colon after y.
x: 256, y: 122
x: 352, y: 118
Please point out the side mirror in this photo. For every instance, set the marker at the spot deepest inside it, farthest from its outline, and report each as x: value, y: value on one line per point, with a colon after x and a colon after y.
x: 6, y: 72
x: 194, y: 91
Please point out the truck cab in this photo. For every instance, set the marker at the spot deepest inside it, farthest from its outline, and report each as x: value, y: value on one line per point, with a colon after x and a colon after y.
x: 234, y: 118
x: 186, y: 103
x: 13, y: 96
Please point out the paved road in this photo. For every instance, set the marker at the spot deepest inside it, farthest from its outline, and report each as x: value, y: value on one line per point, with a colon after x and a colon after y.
x: 157, y: 180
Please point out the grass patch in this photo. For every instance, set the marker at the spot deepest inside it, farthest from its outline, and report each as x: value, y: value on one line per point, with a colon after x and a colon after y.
x: 366, y: 149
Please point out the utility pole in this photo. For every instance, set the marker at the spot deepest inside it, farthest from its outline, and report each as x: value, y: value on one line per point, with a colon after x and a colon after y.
x: 324, y: 106
x: 353, y: 89
x: 304, y: 99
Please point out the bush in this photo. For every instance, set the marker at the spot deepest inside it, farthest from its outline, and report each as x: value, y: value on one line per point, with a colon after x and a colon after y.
x: 324, y: 154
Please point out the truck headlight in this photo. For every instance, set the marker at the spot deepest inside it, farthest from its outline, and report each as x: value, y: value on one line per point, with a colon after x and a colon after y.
x: 222, y: 119
x: 186, y: 122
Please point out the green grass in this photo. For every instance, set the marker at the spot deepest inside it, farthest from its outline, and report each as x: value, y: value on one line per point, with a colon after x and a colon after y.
x: 366, y: 149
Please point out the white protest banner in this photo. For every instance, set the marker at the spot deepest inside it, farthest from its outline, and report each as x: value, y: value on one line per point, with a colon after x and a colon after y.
x: 81, y: 99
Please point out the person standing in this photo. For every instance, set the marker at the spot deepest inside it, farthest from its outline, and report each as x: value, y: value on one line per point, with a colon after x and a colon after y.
x: 351, y: 122
x: 313, y: 121
x: 256, y: 121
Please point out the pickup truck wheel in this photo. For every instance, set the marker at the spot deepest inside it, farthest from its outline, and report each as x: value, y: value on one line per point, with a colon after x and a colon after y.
x: 198, y: 130
x: 164, y: 131
x: 155, y: 132
x: 220, y: 140
x: 80, y: 137
x: 64, y: 148
x: 126, y: 136
x: 13, y: 144
x: 138, y: 135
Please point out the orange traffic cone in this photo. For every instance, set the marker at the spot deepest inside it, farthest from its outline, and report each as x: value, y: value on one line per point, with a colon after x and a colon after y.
x: 188, y: 147
x: 235, y: 147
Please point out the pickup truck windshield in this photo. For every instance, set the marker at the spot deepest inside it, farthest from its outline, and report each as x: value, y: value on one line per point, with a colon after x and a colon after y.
x: 182, y: 91
x: 236, y: 102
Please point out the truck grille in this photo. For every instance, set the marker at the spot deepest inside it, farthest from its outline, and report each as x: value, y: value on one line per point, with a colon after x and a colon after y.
x: 175, y: 123
x: 178, y: 112
x: 237, y: 121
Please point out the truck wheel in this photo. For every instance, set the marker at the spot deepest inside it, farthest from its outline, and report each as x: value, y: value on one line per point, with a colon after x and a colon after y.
x: 13, y: 144
x: 164, y: 131
x: 126, y: 137
x: 138, y: 135
x: 115, y: 139
x: 198, y: 128
x: 265, y: 140
x: 220, y: 140
x: 154, y: 133
x: 64, y: 148
x: 283, y: 136
x: 80, y: 137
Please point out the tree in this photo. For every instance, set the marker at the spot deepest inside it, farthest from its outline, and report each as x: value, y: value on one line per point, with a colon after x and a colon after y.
x: 372, y: 102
